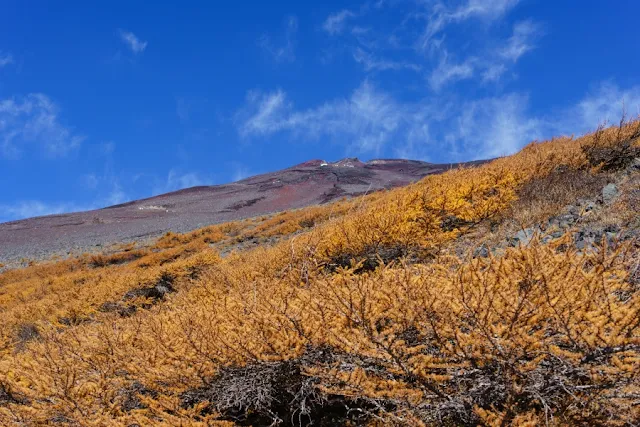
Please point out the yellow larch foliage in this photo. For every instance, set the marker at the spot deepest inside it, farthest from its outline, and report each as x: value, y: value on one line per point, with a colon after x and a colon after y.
x: 355, y: 304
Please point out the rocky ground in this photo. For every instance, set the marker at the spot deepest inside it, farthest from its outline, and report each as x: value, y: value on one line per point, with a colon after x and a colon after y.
x: 306, y: 184
x: 590, y: 222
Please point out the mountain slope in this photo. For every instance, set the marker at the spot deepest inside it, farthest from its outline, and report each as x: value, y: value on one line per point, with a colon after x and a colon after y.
x: 309, y: 183
x: 504, y: 294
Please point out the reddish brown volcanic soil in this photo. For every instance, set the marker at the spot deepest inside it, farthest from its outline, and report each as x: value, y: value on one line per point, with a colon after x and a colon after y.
x: 308, y: 183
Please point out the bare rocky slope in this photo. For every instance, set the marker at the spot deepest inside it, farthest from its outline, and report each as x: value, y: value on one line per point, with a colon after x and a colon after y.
x: 309, y: 183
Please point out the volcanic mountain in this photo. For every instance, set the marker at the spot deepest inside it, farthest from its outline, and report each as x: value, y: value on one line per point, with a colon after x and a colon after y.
x: 309, y: 183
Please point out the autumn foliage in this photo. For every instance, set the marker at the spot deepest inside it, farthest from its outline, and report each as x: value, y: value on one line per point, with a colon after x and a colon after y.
x: 364, y: 311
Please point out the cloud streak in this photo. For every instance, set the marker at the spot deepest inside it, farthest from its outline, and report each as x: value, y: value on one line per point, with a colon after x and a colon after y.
x: 522, y: 40
x: 439, y: 15
x: 178, y: 180
x: 371, y: 121
x: 5, y: 59
x: 34, y: 119
x: 33, y: 208
x: 286, y: 52
x: 136, y: 45
x: 414, y: 38
x: 367, y: 119
x: 336, y: 23
x: 604, y: 103
x: 371, y: 63
x: 447, y: 72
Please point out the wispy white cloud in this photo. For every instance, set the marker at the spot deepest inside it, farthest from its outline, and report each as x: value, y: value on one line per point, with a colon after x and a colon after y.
x: 489, y: 64
x: 265, y: 113
x: 90, y: 181
x: 183, y: 110
x: 34, y: 119
x: 522, y: 40
x: 177, y: 180
x: 417, y: 41
x: 108, y: 147
x: 367, y: 119
x: 418, y: 143
x: 371, y: 63
x: 336, y: 23
x: 498, y: 61
x: 114, y: 197
x: 448, y: 127
x: 5, y: 59
x: 495, y: 126
x: 364, y: 123
x: 502, y: 125
x: 489, y: 9
x: 604, y: 103
x: 33, y: 208
x: 132, y: 41
x: 285, y: 52
x: 240, y: 172
x: 439, y: 16
x: 450, y: 72
x: 493, y: 72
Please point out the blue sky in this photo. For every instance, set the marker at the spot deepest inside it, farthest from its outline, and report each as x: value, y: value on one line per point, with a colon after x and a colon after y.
x: 109, y: 103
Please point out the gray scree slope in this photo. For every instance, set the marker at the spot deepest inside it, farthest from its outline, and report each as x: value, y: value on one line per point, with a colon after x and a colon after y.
x: 310, y: 183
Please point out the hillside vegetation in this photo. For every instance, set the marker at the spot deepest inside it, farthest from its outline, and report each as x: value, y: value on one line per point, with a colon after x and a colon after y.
x: 463, y: 299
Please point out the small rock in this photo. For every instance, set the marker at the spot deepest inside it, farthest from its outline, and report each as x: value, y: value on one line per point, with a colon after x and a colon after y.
x: 612, y: 228
x: 572, y: 210
x: 553, y: 236
x: 523, y: 237
x: 596, y: 235
x: 566, y: 220
x: 585, y: 240
x: 162, y: 289
x: 589, y: 206
x: 609, y: 193
x: 580, y: 244
x: 557, y: 234
x: 481, y: 252
x: 612, y: 237
x: 586, y: 205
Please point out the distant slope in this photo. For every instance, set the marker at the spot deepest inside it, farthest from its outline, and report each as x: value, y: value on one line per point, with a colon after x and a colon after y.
x: 309, y: 183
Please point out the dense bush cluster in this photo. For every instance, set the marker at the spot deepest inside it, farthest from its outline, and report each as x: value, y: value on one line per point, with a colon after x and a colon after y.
x: 358, y: 312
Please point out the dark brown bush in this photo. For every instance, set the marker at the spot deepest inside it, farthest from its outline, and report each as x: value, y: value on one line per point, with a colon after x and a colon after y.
x: 616, y: 154
x: 27, y: 332
x: 367, y: 260
x: 164, y: 286
x: 543, y: 197
x: 307, y: 223
x: 613, y: 157
x: 130, y: 396
x: 276, y: 393
x: 8, y: 396
x: 97, y: 261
